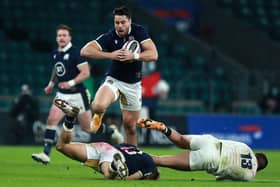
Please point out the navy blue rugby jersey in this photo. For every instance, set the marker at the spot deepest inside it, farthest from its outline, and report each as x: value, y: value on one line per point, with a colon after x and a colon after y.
x: 136, y: 159
x: 110, y: 41
x: 65, y: 63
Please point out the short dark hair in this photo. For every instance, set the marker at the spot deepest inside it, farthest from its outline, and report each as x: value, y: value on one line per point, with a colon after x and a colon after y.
x: 262, y: 161
x: 64, y: 27
x: 122, y: 11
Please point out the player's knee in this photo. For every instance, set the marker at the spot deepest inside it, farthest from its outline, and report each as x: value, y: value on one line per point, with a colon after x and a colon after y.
x: 85, y: 127
x: 107, y: 175
x: 98, y: 107
x: 84, y: 120
x: 130, y: 129
x: 129, y: 120
x: 59, y: 147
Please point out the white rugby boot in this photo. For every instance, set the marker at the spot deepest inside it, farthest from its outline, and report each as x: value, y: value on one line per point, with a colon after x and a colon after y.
x: 41, y: 157
x: 116, y: 137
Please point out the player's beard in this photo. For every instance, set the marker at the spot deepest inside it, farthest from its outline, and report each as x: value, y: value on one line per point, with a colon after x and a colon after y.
x: 121, y: 33
x: 62, y: 44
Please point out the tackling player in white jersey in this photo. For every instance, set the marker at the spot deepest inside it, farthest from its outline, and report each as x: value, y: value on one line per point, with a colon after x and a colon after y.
x: 222, y: 158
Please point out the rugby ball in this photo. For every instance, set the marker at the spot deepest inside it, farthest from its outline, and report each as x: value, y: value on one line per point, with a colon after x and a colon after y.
x: 132, y: 46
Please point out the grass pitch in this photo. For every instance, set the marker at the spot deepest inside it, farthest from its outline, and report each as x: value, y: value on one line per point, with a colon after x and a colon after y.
x: 18, y: 169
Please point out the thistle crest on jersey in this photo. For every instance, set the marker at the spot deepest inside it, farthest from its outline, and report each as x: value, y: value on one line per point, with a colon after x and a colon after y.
x: 132, y: 45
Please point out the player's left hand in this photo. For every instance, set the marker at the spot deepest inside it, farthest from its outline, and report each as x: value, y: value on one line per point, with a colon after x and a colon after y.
x: 126, y: 56
x: 64, y: 85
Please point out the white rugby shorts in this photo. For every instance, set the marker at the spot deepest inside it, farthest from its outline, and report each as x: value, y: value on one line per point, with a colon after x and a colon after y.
x: 130, y: 95
x: 205, y: 153
x: 75, y: 99
x: 101, y: 152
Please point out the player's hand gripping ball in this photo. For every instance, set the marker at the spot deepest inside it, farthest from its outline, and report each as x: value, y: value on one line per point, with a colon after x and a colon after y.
x: 134, y: 47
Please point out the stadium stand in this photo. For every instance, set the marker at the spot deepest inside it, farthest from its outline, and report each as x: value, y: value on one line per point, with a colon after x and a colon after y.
x: 261, y: 14
x: 183, y: 15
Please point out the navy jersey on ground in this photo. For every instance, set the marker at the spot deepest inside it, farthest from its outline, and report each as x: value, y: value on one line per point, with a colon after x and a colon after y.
x: 137, y: 160
x: 110, y: 41
x: 65, y: 64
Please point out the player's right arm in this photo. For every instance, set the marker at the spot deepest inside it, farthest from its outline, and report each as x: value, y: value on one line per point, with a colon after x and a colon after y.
x: 93, y: 50
x: 49, y: 88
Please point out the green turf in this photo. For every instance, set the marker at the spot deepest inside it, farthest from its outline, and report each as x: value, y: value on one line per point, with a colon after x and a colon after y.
x: 18, y: 169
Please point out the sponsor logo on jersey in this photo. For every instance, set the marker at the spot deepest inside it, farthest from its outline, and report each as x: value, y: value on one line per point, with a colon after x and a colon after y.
x: 60, y: 69
x: 66, y: 56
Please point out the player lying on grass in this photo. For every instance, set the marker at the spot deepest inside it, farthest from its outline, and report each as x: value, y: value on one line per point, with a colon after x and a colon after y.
x: 223, y: 158
x: 123, y: 160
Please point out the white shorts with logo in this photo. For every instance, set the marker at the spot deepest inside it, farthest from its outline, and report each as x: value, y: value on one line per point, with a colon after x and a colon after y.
x: 75, y: 99
x: 205, y: 153
x: 98, y: 153
x: 130, y: 95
